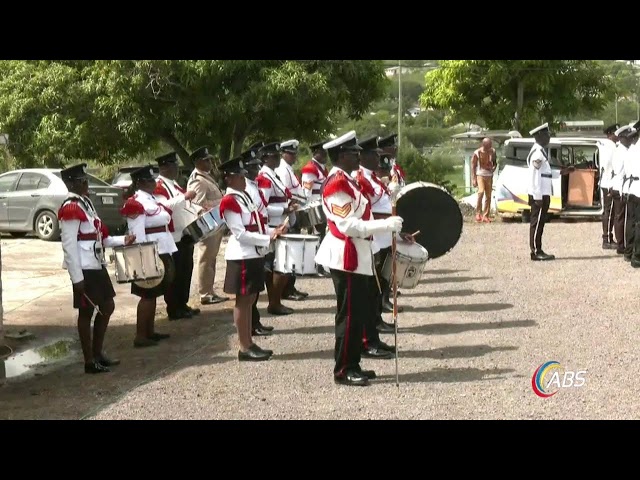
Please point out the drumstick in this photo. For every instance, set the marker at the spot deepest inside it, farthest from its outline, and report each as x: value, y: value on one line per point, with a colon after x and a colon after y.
x: 93, y: 304
x: 415, y: 233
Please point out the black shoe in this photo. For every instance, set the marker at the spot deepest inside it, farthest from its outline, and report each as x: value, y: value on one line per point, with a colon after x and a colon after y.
x: 95, y: 367
x: 192, y: 311
x: 635, y: 263
x: 385, y: 327
x: 254, y: 354
x: 256, y: 347
x: 352, y: 378
x: 387, y: 348
x: 107, y: 362
x: 609, y: 246
x: 268, y: 328
x: 159, y: 336
x: 376, y: 352
x: 298, y: 292
x: 295, y: 296
x: 370, y: 374
x: 619, y: 252
x: 145, y: 342
x: 282, y: 310
x: 261, y: 332
x: 627, y: 258
x: 180, y: 314
x: 541, y: 256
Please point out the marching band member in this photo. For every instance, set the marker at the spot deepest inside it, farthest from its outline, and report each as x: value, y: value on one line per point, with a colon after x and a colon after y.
x: 617, y: 181
x: 279, y: 206
x: 630, y: 211
x: 346, y: 250
x: 208, y: 196
x: 290, y: 180
x: 372, y: 346
x: 389, y: 145
x: 313, y: 174
x: 149, y: 221
x: 84, y: 238
x: 248, y: 244
x: 173, y: 196
x: 607, y: 149
x: 252, y: 165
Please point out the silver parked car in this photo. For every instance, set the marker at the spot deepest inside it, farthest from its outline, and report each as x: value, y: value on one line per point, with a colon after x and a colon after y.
x: 30, y: 200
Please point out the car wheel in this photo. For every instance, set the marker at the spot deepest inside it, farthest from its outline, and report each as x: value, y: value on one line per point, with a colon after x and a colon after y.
x: 18, y: 234
x: 47, y: 227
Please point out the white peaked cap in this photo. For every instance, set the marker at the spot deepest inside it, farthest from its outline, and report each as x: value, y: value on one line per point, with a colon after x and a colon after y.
x: 349, y: 136
x: 290, y: 144
x: 540, y: 128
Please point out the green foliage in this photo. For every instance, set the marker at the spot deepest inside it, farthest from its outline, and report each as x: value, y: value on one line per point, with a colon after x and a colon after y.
x: 111, y: 110
x: 553, y: 90
x: 432, y: 168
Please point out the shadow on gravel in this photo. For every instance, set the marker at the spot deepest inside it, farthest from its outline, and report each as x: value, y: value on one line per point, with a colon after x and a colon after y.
x: 442, y: 272
x: 466, y: 351
x: 597, y: 257
x: 464, y: 307
x: 446, y: 293
x: 316, y: 355
x: 451, y: 280
x: 449, y: 328
x: 447, y: 375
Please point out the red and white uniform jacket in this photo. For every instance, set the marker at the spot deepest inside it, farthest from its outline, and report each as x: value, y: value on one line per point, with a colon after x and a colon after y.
x: 83, y: 237
x: 171, y: 195
x: 380, y: 200
x: 275, y: 193
x: 250, y: 235
x: 347, y: 244
x: 150, y: 221
x: 313, y: 176
x: 397, y: 174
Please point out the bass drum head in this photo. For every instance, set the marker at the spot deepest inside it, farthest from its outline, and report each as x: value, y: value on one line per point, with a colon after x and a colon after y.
x: 432, y: 210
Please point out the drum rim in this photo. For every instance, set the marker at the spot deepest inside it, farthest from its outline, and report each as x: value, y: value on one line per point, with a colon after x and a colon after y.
x: 298, y: 236
x: 133, y: 245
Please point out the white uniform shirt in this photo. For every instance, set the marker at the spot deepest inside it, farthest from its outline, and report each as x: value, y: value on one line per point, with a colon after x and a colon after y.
x: 250, y: 238
x: 289, y: 178
x: 77, y: 217
x: 143, y: 212
x: 313, y: 175
x: 606, y: 151
x: 539, y: 173
x: 171, y: 195
x: 257, y: 199
x: 275, y: 193
x: 348, y: 210
x: 633, y: 173
x: 617, y: 165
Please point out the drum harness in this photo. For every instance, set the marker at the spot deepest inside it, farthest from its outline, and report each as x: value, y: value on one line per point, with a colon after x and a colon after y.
x: 284, y: 192
x: 253, y: 212
x: 172, y: 195
x: 98, y: 250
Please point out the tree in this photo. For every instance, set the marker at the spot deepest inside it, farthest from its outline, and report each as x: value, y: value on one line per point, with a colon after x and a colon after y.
x: 517, y: 94
x: 109, y: 110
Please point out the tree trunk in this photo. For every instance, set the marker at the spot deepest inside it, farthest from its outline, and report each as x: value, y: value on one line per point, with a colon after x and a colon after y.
x: 520, y: 102
x: 225, y: 151
x: 238, y: 138
x: 173, y: 143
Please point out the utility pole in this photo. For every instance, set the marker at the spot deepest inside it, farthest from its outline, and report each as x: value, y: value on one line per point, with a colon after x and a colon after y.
x: 399, y: 105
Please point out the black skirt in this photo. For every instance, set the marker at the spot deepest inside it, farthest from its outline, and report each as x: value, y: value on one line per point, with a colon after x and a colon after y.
x: 159, y: 290
x: 244, y: 277
x: 97, y: 286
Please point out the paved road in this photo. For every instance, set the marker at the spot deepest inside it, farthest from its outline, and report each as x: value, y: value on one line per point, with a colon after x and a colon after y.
x: 481, y: 321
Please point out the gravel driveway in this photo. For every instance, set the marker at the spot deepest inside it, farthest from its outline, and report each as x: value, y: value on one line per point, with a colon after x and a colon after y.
x: 483, y: 318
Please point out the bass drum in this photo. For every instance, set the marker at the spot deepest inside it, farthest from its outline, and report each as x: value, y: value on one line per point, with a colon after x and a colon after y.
x: 432, y: 210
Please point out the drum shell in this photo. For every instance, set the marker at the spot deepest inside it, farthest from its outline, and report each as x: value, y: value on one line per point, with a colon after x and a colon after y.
x: 310, y: 215
x: 205, y: 225
x: 139, y: 261
x: 410, y: 263
x: 295, y: 254
x: 430, y: 209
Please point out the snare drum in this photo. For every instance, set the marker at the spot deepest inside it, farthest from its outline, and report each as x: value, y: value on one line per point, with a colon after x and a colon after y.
x: 310, y: 215
x: 295, y: 254
x: 205, y: 225
x: 410, y: 261
x: 136, y: 262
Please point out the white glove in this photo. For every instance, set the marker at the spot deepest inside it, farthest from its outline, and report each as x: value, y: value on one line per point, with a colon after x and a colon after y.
x: 394, y: 224
x: 393, y: 188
